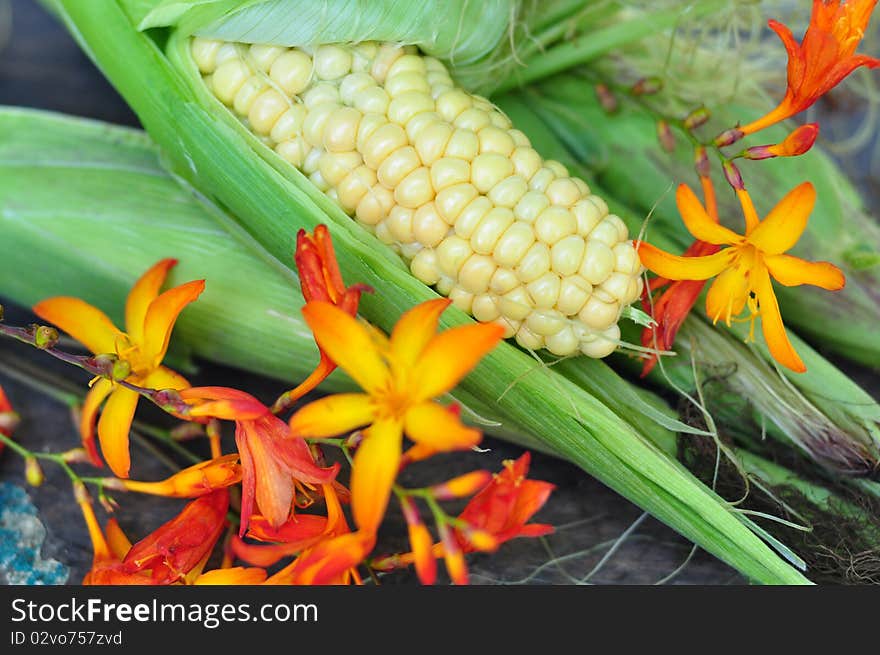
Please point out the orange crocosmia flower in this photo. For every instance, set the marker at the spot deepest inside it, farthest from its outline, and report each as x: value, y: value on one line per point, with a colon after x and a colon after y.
x: 272, y: 458
x: 300, y: 532
x: 197, y: 480
x: 321, y: 279
x: 175, y: 552
x: 824, y: 58
x: 745, y: 267
x: 181, y: 544
x: 149, y: 319
x: 333, y: 561
x: 502, y: 509
x: 400, y: 376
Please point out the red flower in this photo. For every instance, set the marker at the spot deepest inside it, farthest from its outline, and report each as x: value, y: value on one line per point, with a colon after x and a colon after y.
x: 824, y: 58
x: 502, y: 509
x: 181, y: 544
x: 272, y: 457
x: 174, y: 552
x: 321, y: 279
x: 296, y: 535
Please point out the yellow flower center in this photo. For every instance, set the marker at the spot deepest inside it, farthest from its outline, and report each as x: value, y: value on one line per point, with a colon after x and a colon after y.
x: 131, y: 353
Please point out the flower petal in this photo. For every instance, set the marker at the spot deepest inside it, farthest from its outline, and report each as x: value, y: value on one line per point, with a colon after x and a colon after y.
x: 786, y: 222
x: 332, y: 415
x: 422, y: 545
x: 450, y: 356
x: 433, y: 425
x: 84, y: 322
x: 328, y: 562
x: 223, y: 403
x: 683, y: 268
x: 414, y: 331
x: 727, y: 296
x: 771, y: 324
x: 373, y: 473
x: 794, y: 271
x: 163, y: 377
x: 699, y: 223
x: 237, y: 575
x: 114, y: 427
x: 273, y: 483
x: 116, y: 540
x: 161, y: 316
x: 97, y: 394
x: 347, y: 343
x: 142, y: 294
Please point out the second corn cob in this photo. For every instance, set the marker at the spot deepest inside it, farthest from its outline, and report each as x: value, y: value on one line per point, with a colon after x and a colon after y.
x: 441, y: 176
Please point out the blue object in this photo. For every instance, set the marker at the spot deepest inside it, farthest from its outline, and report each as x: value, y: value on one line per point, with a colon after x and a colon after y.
x: 21, y: 540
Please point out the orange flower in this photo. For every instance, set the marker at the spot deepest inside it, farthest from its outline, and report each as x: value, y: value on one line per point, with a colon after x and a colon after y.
x: 824, y: 58
x: 331, y: 562
x: 175, y: 552
x: 149, y: 318
x: 400, y: 377
x: 183, y: 543
x: 503, y: 508
x: 297, y: 534
x: 272, y: 458
x: 744, y: 269
x: 320, y: 279
x: 197, y: 480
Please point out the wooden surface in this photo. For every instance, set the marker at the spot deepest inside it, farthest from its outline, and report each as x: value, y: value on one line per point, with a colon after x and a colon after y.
x: 42, y: 67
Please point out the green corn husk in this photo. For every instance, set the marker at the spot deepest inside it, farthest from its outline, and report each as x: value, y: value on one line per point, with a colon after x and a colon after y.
x: 823, y: 412
x: 207, y: 146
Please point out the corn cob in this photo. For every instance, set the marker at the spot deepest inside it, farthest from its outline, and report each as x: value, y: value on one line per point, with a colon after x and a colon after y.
x: 441, y: 176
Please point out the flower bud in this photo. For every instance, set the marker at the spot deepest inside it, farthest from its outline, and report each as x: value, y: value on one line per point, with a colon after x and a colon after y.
x: 45, y: 337
x: 8, y: 422
x: 733, y: 176
x: 169, y: 400
x: 32, y: 471
x: 665, y: 135
x: 462, y: 486
x: 480, y: 540
x: 701, y: 162
x: 728, y: 137
x: 453, y: 556
x: 696, y: 118
x: 647, y: 86
x: 607, y: 99
x: 354, y: 439
x: 80, y: 493
x: 797, y: 143
x: 105, y: 363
